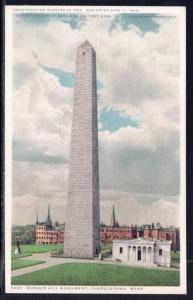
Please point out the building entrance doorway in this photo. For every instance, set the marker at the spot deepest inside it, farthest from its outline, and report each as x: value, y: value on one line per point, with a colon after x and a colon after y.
x: 139, y: 254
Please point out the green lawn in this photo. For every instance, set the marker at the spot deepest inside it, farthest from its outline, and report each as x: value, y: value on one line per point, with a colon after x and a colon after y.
x: 175, y: 257
x: 26, y: 250
x: 18, y: 264
x: 15, y: 256
x: 39, y: 248
x: 98, y: 274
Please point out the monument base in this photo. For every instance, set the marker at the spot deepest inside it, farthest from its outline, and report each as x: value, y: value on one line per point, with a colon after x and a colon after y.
x: 62, y: 255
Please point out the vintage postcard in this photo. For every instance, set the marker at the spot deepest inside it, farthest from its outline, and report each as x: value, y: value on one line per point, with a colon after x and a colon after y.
x: 95, y: 198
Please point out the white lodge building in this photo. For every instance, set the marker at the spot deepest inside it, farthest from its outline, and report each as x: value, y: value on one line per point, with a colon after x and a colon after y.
x: 142, y: 252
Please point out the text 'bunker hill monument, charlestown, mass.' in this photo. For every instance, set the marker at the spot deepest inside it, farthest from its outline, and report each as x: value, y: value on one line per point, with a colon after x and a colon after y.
x: 82, y: 232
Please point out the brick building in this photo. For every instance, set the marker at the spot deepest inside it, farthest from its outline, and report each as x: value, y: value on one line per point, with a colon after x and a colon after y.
x: 46, y: 233
x: 154, y: 231
x: 109, y: 233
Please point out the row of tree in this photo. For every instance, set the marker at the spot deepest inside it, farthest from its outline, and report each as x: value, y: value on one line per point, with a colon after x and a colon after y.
x: 24, y: 234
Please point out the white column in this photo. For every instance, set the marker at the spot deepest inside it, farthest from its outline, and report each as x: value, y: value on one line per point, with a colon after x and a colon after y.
x: 152, y: 255
x: 146, y: 259
x: 144, y: 254
x: 134, y: 253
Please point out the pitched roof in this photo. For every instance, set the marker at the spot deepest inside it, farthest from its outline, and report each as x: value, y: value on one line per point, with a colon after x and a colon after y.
x: 142, y: 241
x: 136, y: 241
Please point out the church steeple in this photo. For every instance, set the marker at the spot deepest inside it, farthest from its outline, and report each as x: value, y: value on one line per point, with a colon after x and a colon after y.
x: 113, y: 220
x: 114, y: 223
x: 49, y: 221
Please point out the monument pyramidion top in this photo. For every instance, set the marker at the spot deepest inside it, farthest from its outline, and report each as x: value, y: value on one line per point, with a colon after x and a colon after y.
x: 86, y: 44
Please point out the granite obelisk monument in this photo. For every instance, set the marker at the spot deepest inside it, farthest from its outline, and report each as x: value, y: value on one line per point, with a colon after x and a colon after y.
x: 82, y: 212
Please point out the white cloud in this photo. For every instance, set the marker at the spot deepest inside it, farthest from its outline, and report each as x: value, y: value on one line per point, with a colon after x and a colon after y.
x: 30, y: 204
x: 38, y: 185
x: 129, y: 210
x: 40, y: 179
x: 42, y: 112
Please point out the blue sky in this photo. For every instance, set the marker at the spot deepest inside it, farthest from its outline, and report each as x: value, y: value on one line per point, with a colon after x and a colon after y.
x: 145, y: 22
x: 112, y: 120
x: 109, y: 119
x: 66, y: 79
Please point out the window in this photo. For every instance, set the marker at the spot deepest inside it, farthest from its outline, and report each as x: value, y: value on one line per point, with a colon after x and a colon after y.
x: 160, y: 251
x: 121, y: 250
